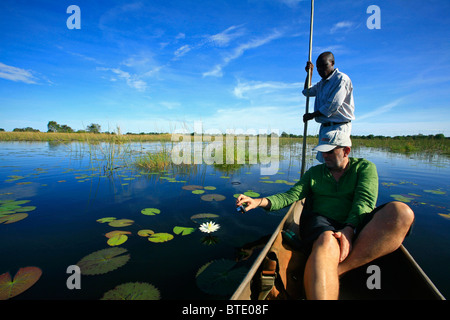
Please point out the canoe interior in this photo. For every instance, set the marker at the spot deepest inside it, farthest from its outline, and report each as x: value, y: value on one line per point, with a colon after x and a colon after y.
x: 401, y: 278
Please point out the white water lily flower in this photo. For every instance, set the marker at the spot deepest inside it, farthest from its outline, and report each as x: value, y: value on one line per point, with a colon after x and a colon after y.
x: 209, y: 227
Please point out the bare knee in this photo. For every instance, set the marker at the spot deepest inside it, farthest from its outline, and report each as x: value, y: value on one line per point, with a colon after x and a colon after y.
x: 326, y: 241
x: 400, y: 213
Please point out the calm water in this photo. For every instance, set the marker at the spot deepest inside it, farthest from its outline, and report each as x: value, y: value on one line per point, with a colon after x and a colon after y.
x: 70, y: 190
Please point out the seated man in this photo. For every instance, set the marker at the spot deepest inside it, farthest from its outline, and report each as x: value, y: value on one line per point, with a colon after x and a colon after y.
x: 343, y: 228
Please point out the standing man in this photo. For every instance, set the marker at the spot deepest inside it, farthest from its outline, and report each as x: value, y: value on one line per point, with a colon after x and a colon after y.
x: 333, y: 106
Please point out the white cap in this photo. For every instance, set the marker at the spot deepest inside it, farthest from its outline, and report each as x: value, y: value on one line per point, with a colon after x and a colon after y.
x: 333, y: 139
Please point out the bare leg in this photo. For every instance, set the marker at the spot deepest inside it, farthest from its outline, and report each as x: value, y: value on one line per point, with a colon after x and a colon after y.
x: 321, y: 278
x: 382, y: 235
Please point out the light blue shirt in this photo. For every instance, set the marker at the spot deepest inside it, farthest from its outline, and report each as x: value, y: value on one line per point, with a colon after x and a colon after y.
x: 334, y: 98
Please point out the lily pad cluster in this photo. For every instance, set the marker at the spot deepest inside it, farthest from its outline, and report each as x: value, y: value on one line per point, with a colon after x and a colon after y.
x: 266, y: 179
x: 14, y: 210
x: 107, y: 260
x: 196, y: 189
x: 119, y: 237
x: 417, y: 199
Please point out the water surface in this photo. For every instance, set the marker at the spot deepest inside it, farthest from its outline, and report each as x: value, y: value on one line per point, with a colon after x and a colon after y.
x: 71, y: 187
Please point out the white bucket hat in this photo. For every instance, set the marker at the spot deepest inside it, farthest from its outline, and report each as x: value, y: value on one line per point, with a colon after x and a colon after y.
x: 333, y: 139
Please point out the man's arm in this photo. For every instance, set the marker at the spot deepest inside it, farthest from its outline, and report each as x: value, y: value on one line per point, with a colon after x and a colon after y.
x: 365, y: 195
x: 309, y: 116
x: 279, y: 200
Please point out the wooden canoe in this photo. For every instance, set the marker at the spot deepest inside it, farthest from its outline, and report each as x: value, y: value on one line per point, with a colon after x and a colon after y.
x: 401, y: 276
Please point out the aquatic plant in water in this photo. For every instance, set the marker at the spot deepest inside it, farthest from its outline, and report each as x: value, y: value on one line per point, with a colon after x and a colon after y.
x: 103, y: 261
x: 209, y: 227
x: 213, y: 197
x: 150, y: 211
x: 24, y: 279
x: 160, y: 237
x: 184, y: 231
x: 133, y: 291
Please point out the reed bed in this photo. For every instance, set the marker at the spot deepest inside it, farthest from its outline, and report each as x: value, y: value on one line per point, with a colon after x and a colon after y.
x: 82, y: 137
x: 409, y: 144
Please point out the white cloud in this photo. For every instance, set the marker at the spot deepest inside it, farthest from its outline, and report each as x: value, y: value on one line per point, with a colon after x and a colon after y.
x: 16, y: 74
x: 182, y: 51
x: 216, y: 71
x: 133, y: 81
x: 244, y: 89
x: 223, y: 38
x: 343, y: 25
x: 380, y: 110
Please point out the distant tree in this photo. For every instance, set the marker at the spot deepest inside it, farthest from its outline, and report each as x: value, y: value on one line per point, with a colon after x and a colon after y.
x: 2, y: 130
x: 65, y: 128
x: 27, y: 129
x: 53, y: 126
x: 93, y: 128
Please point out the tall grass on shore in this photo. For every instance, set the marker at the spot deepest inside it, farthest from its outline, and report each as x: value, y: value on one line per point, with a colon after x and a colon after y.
x: 82, y: 137
x: 437, y: 144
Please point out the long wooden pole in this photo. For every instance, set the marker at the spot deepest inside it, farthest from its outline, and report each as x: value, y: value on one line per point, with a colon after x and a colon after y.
x: 305, y: 129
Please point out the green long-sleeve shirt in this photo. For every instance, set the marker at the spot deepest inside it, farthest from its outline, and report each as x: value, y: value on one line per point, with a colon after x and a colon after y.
x: 346, y: 201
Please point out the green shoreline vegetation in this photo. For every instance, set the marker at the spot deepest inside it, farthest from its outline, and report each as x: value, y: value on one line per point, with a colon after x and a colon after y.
x: 437, y: 144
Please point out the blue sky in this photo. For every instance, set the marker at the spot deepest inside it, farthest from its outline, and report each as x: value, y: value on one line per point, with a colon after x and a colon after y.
x: 232, y: 64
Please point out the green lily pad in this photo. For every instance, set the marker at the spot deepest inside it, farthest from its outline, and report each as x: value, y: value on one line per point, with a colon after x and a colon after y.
x: 150, y: 211
x: 26, y: 209
x: 121, y: 223
x: 160, y: 237
x: 106, y: 219
x: 184, y: 231
x: 103, y: 261
x: 115, y: 233
x: 145, y: 232
x: 13, y: 218
x: 438, y: 191
x: 252, y: 194
x: 133, y: 291
x: 16, y: 203
x: 402, y: 198
x: 9, y: 208
x: 213, y: 197
x: 210, y: 188
x: 220, y: 277
x: 117, y: 240
x: 204, y: 217
x: 191, y: 187
x: 24, y: 279
x: 198, y: 191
